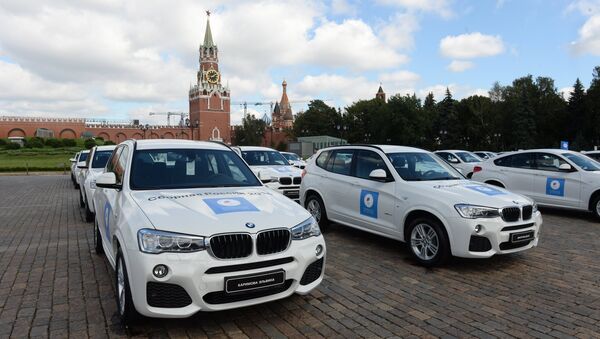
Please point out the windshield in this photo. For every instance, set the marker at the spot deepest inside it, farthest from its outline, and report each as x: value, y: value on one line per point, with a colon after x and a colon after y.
x: 189, y: 168
x: 421, y: 167
x: 100, y: 159
x: 467, y: 157
x: 83, y: 156
x: 264, y: 158
x: 482, y: 155
x: 583, y: 161
x: 291, y: 156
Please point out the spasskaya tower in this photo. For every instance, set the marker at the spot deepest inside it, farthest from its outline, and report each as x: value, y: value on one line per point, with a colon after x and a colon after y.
x: 209, y: 99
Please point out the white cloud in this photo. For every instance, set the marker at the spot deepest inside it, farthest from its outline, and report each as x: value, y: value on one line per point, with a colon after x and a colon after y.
x: 441, y: 7
x: 471, y: 45
x: 585, y: 7
x: 566, y: 92
x: 460, y: 65
x: 399, y: 30
x: 589, y: 37
x: 343, y: 7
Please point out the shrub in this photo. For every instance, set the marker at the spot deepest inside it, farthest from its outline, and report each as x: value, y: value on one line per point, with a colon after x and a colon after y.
x: 100, y: 138
x: 89, y: 143
x: 69, y: 142
x: 2, y: 142
x: 108, y: 142
x: 55, y: 143
x: 34, y: 143
x: 12, y: 145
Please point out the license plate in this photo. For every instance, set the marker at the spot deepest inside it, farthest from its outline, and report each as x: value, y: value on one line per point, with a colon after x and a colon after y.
x: 254, y: 281
x: 521, y: 236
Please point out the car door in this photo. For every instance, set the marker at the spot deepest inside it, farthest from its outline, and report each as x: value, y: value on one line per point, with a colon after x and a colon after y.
x: 553, y: 186
x: 339, y: 203
x: 517, y: 172
x: 108, y: 212
x: 373, y: 201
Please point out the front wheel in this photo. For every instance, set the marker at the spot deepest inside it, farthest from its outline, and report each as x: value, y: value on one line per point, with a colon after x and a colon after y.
x: 316, y: 207
x: 89, y: 215
x: 596, y: 207
x: 428, y: 242
x: 125, y: 306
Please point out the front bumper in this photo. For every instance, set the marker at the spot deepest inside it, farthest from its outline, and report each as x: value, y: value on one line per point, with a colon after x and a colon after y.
x: 189, y: 271
x: 290, y: 191
x: 496, y: 231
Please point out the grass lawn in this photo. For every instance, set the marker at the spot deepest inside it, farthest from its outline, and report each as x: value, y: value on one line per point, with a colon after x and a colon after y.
x: 36, y: 159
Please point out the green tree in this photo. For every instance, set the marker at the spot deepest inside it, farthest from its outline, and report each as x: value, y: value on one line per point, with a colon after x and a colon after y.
x: 575, y: 122
x: 318, y: 119
x: 89, y: 143
x: 591, y: 131
x: 251, y: 132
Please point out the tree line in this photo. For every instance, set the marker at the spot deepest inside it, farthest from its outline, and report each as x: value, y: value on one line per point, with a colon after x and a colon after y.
x: 528, y: 113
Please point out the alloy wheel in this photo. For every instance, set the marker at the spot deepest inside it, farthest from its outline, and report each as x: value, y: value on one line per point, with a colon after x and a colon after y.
x: 424, y: 241
x: 314, y: 208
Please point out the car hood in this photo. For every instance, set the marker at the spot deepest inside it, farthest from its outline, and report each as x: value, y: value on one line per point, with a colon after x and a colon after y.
x: 471, y: 192
x: 278, y: 171
x: 211, y: 211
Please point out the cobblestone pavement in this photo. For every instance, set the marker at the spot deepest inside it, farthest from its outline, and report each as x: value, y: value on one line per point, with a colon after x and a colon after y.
x: 52, y: 284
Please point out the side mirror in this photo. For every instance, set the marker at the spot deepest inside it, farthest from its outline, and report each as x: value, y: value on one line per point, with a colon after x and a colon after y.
x: 107, y: 180
x: 81, y: 164
x: 565, y: 167
x: 237, y: 150
x: 265, y: 177
x: 454, y: 161
x: 378, y: 174
x: 291, y: 162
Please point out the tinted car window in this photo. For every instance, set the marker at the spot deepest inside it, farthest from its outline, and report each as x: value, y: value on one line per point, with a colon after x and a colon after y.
x: 121, y: 165
x: 264, y: 158
x: 366, y: 162
x: 101, y: 158
x: 189, y: 168
x: 83, y: 156
x: 595, y: 156
x: 322, y: 159
x: 467, y: 157
x: 112, y: 162
x: 548, y: 162
x: 341, y: 162
x: 448, y: 157
x: 521, y: 160
x: 583, y: 162
x: 418, y: 166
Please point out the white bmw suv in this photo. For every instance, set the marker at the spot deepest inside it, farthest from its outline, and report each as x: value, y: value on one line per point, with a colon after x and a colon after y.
x: 94, y: 166
x: 274, y: 170
x: 188, y: 227
x: 551, y: 177
x: 464, y: 161
x: 411, y: 195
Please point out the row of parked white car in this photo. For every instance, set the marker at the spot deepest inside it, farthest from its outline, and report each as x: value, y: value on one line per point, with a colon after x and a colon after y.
x: 200, y: 226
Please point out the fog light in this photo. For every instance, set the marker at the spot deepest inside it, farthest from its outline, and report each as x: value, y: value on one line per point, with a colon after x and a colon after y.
x: 477, y: 228
x: 160, y: 271
x: 319, y: 250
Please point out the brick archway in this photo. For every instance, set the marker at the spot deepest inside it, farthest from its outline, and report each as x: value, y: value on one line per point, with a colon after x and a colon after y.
x: 104, y: 136
x: 154, y: 136
x: 121, y: 137
x: 184, y: 135
x: 16, y: 132
x: 138, y: 136
x: 67, y: 133
x: 168, y: 135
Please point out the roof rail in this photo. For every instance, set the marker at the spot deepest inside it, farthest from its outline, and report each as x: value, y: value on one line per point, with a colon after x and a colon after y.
x: 220, y: 143
x: 362, y: 145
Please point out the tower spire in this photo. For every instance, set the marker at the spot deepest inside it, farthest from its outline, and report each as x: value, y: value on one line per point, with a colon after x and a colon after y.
x: 208, y: 40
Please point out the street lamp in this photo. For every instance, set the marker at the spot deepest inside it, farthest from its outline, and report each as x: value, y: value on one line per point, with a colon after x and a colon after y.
x: 144, y: 128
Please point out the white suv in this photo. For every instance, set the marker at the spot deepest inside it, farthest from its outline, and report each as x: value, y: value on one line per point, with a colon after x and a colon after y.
x: 551, y: 177
x: 411, y: 195
x: 464, y: 161
x: 274, y: 170
x: 79, y: 164
x: 294, y: 159
x: 94, y: 166
x: 188, y: 227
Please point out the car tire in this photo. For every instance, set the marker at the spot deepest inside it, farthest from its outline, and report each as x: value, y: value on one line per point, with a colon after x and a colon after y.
x: 596, y: 206
x: 89, y: 215
x: 97, y: 239
x: 427, y: 242
x: 125, y: 306
x: 315, y: 206
x: 81, y: 202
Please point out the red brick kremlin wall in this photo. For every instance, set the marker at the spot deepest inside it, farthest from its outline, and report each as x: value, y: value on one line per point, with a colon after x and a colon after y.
x: 74, y: 128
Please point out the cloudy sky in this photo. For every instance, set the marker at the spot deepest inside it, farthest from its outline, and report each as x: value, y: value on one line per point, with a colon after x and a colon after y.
x: 122, y: 59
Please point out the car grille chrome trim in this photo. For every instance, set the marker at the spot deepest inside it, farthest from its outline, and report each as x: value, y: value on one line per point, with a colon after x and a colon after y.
x: 273, y: 241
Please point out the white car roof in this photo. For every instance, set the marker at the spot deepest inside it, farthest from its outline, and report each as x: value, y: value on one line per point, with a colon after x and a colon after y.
x: 591, y: 152
x: 453, y: 150
x: 384, y: 148
x: 176, y: 143
x: 106, y: 148
x: 85, y: 151
x: 256, y: 148
x: 545, y: 150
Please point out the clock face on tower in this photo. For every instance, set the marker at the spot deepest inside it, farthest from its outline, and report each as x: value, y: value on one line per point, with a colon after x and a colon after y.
x: 212, y: 76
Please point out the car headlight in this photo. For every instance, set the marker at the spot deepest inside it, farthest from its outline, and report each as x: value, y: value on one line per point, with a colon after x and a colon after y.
x: 474, y: 211
x: 153, y: 241
x: 306, y: 229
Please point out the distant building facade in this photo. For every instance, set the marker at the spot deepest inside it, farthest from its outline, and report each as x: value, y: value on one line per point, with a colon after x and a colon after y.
x: 282, y: 112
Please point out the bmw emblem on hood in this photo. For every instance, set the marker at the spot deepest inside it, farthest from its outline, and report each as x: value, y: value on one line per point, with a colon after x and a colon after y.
x: 250, y: 225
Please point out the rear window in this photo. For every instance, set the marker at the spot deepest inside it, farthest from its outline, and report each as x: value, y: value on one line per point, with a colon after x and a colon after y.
x: 522, y: 160
x: 322, y: 159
